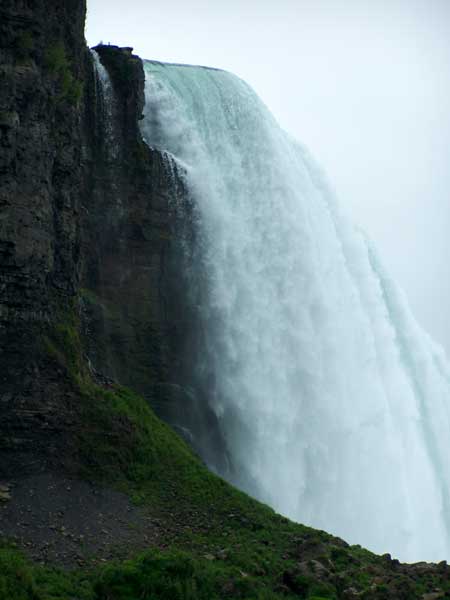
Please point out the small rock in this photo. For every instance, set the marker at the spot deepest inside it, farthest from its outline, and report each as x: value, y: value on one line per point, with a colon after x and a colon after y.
x: 5, y: 496
x: 209, y: 556
x: 228, y: 588
x: 313, y: 566
x: 350, y: 594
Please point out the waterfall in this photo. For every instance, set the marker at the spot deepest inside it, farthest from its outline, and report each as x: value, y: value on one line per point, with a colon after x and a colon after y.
x: 332, y: 401
x: 106, y: 102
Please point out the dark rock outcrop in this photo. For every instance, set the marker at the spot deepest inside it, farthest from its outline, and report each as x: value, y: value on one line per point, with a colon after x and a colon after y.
x: 127, y: 241
x: 43, y: 67
x: 85, y: 234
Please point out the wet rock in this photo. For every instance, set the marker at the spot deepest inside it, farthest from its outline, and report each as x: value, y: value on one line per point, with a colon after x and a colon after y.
x: 350, y: 593
x: 5, y: 492
x: 313, y: 567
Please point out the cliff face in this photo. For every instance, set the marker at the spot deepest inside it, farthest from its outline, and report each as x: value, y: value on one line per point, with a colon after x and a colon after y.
x: 43, y: 65
x: 127, y: 247
x: 84, y: 233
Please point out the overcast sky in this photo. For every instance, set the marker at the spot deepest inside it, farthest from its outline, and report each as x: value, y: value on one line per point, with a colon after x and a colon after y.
x: 365, y: 84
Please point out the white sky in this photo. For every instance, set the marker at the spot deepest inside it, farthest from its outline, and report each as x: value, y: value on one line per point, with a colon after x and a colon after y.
x: 364, y: 83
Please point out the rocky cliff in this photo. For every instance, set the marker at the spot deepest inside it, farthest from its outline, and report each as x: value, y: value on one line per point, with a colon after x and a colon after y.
x: 85, y: 235
x: 43, y: 181
x: 128, y: 250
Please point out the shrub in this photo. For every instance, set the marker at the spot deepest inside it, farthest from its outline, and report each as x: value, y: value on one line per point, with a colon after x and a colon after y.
x: 58, y: 64
x: 16, y: 580
x: 55, y: 58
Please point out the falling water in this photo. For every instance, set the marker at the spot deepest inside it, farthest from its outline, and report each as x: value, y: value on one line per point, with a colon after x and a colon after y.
x: 106, y: 100
x: 332, y: 401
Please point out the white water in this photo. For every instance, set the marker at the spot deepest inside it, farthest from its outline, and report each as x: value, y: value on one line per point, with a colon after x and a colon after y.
x: 333, y: 402
x: 105, y: 95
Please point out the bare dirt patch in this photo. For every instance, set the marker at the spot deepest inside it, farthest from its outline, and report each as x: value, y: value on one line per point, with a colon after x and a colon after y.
x: 71, y: 522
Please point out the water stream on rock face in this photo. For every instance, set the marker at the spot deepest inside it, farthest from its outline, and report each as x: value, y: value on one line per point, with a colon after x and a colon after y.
x: 106, y: 100
x: 332, y: 401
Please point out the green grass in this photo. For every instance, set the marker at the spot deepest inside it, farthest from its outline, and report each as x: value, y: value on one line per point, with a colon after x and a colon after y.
x: 57, y: 63
x: 172, y: 575
x: 16, y: 578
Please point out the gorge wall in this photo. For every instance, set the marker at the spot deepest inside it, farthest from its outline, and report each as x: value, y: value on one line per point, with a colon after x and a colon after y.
x: 86, y: 242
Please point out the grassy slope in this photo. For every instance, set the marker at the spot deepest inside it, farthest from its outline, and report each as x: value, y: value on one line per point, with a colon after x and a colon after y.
x: 220, y: 542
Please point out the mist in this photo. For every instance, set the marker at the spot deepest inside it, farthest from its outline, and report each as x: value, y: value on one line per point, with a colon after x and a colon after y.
x: 365, y: 85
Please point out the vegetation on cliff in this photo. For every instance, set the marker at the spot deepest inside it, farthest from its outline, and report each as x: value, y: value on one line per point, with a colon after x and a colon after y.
x: 219, y: 543
x: 58, y: 64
